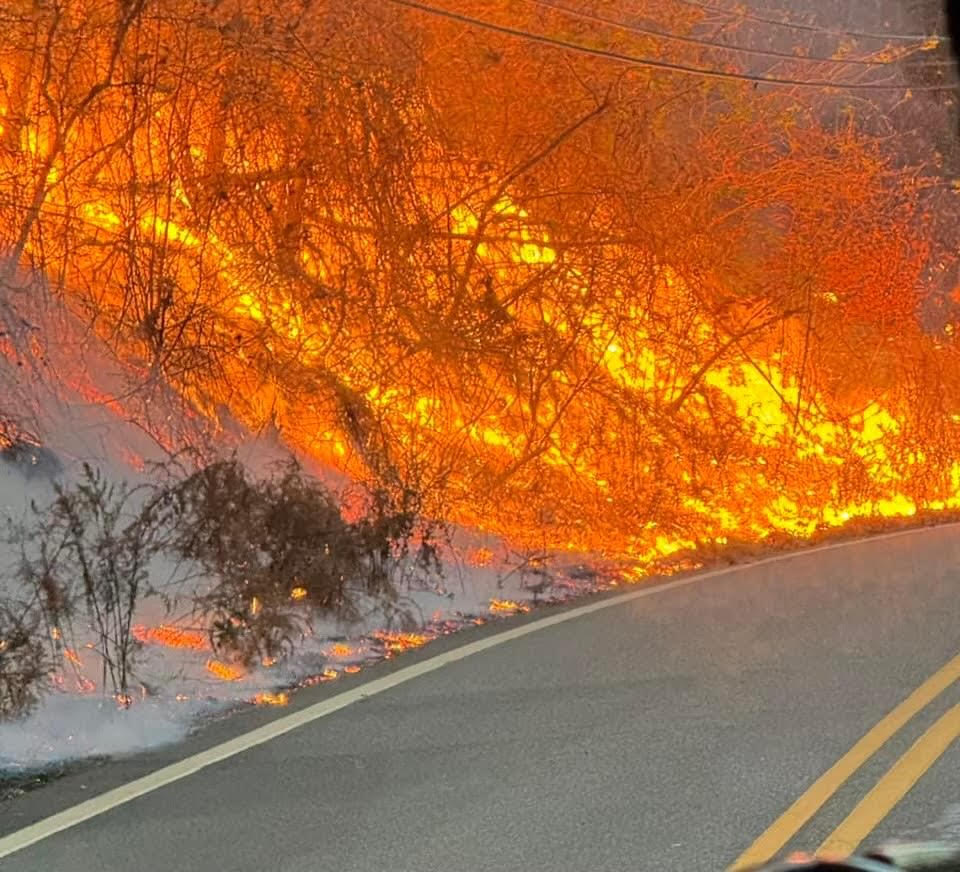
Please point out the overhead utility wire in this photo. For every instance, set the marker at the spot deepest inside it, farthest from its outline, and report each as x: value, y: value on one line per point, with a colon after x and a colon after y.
x: 706, y: 43
x: 632, y: 60
x: 797, y: 25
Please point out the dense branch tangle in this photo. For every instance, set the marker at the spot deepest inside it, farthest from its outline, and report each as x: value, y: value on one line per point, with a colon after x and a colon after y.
x: 567, y: 302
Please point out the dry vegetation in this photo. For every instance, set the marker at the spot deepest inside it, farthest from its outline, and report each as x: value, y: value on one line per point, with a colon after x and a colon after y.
x: 254, y: 561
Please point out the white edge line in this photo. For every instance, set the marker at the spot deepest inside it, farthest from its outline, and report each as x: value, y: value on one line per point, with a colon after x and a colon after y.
x: 91, y: 808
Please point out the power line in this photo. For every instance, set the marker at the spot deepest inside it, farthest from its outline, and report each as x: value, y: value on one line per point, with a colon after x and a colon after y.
x: 797, y: 25
x: 705, y: 43
x: 652, y: 63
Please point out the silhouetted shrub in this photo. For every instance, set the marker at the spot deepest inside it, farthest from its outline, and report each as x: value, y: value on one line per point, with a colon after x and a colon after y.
x: 24, y: 665
x: 93, y: 545
x: 278, y: 551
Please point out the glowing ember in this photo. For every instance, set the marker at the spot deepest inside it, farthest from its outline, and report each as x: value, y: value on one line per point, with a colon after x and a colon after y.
x: 298, y: 593
x: 172, y: 637
x: 341, y: 650
x: 271, y: 699
x: 480, y: 557
x: 328, y: 674
x: 225, y: 671
x: 352, y: 669
x: 507, y: 607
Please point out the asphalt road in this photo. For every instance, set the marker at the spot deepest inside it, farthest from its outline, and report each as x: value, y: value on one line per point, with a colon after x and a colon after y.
x: 667, y: 733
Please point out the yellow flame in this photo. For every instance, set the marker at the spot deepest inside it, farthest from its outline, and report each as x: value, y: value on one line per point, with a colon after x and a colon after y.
x: 507, y: 607
x: 225, y: 671
x: 396, y: 642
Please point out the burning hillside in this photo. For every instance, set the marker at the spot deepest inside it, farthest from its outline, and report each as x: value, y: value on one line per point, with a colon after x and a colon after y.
x: 581, y: 303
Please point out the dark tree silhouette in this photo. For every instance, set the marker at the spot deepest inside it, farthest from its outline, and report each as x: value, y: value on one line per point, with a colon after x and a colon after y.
x: 953, y: 26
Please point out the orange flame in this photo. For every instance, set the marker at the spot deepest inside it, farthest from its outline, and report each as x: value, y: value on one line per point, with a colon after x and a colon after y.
x: 479, y: 557
x: 225, y: 671
x: 396, y: 642
x: 560, y: 438
x: 507, y: 607
x: 172, y: 637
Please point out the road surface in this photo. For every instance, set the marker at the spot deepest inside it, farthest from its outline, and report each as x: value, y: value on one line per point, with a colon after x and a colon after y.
x: 668, y: 732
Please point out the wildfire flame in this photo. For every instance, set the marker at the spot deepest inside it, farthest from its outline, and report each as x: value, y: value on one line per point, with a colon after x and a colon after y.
x: 225, y: 671
x: 507, y: 607
x: 479, y: 557
x: 328, y: 674
x: 172, y: 637
x: 278, y: 699
x: 396, y: 642
x: 588, y: 396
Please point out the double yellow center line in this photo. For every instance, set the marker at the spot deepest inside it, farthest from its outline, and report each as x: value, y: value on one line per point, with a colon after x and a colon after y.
x: 878, y: 803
